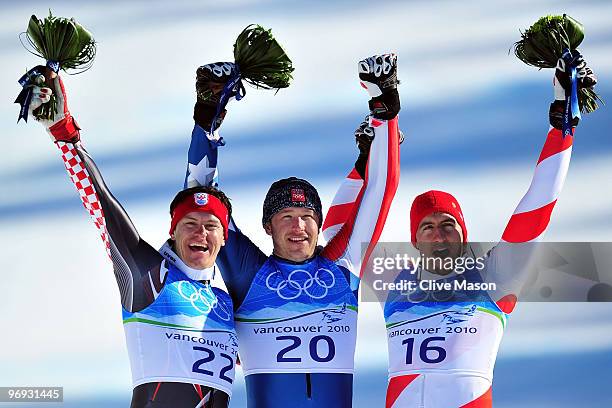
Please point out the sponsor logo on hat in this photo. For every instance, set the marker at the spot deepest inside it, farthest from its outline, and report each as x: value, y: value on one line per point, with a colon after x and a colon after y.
x: 200, y: 198
x: 297, y: 195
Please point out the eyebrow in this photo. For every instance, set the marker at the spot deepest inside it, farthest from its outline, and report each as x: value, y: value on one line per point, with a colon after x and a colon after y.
x: 446, y: 219
x: 190, y: 218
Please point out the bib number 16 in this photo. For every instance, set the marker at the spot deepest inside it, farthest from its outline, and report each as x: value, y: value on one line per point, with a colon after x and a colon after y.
x: 428, y: 352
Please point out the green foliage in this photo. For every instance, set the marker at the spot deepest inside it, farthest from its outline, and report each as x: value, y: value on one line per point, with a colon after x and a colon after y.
x: 542, y: 44
x: 262, y: 61
x: 65, y: 41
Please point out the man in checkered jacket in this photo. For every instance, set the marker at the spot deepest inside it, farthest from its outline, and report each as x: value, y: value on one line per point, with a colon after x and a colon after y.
x: 179, y: 330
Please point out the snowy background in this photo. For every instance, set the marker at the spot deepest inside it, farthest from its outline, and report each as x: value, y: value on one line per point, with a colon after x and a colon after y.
x: 474, y: 118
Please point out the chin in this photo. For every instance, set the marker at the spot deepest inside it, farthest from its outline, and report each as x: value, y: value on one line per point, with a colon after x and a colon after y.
x: 199, y: 264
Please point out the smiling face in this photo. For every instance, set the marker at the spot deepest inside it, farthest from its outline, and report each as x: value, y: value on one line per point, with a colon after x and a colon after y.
x: 198, y: 238
x: 439, y: 236
x: 294, y: 232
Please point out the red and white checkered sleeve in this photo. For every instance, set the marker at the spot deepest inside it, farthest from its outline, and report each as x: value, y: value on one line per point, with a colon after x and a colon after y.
x: 82, y: 180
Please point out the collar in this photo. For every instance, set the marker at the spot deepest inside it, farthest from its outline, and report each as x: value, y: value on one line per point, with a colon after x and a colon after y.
x: 424, y: 274
x: 316, y: 253
x: 195, y: 274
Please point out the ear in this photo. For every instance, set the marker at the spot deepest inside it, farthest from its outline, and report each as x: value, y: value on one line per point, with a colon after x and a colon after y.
x: 268, y: 228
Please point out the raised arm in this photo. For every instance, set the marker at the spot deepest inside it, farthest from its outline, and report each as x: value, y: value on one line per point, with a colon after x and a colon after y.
x: 368, y: 212
x: 136, y: 264
x: 240, y: 258
x: 509, y: 260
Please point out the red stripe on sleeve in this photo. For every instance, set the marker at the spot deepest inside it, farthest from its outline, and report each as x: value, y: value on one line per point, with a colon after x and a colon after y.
x: 396, y: 386
x: 484, y: 401
x: 354, y: 175
x: 529, y: 225
x: 555, y: 143
x: 507, y: 303
x: 336, y: 247
x: 393, y: 175
x: 338, y: 214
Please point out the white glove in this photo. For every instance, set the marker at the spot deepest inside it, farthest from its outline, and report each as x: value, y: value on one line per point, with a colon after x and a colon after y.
x: 62, y: 127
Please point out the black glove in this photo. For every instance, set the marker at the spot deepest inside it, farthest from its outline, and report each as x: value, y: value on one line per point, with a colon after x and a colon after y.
x: 378, y: 75
x: 364, y: 135
x: 562, y: 86
x: 210, y: 80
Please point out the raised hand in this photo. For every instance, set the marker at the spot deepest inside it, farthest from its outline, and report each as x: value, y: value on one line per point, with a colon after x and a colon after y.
x: 216, y: 85
x: 562, y: 86
x: 378, y: 75
x: 561, y: 80
x: 62, y: 127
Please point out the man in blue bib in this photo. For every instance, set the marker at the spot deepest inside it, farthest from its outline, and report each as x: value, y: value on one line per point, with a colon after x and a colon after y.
x: 296, y: 310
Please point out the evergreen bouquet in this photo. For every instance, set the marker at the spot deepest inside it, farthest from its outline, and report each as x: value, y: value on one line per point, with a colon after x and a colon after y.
x: 263, y: 62
x: 258, y: 59
x: 64, y: 44
x: 550, y: 38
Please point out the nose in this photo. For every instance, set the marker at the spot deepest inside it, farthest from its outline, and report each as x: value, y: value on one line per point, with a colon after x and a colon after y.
x: 201, y: 230
x: 438, y: 234
x: 298, y: 223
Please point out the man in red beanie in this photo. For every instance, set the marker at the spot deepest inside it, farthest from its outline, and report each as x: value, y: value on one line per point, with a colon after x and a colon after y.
x: 437, y: 227
x: 443, y: 336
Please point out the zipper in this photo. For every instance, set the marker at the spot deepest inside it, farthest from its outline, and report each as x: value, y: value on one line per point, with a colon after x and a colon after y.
x: 423, y: 392
x: 308, y: 386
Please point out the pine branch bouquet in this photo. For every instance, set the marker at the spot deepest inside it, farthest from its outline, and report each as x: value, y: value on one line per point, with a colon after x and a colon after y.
x: 545, y: 42
x: 64, y: 44
x: 263, y: 62
x: 258, y: 59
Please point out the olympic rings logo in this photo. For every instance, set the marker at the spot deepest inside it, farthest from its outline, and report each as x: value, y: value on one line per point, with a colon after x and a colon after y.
x: 203, y: 300
x: 301, y: 281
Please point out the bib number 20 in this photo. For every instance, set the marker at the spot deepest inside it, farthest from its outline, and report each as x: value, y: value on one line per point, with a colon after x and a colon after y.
x: 428, y: 352
x: 313, y: 347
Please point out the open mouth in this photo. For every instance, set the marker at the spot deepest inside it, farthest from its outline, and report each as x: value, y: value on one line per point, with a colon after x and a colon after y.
x: 297, y: 239
x: 441, y: 252
x: 198, y: 248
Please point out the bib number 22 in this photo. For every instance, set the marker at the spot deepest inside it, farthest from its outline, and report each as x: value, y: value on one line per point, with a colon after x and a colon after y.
x: 210, y: 356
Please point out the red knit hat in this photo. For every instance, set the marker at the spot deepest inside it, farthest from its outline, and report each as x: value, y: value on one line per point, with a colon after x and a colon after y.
x: 200, y: 202
x: 431, y: 202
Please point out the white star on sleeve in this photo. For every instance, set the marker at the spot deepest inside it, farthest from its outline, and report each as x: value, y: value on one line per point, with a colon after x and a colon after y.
x: 201, y: 174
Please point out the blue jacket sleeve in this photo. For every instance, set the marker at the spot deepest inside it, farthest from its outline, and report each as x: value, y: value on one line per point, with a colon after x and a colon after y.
x: 240, y: 259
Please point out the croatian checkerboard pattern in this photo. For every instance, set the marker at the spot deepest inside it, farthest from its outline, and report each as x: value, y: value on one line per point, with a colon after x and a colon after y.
x: 81, y: 179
